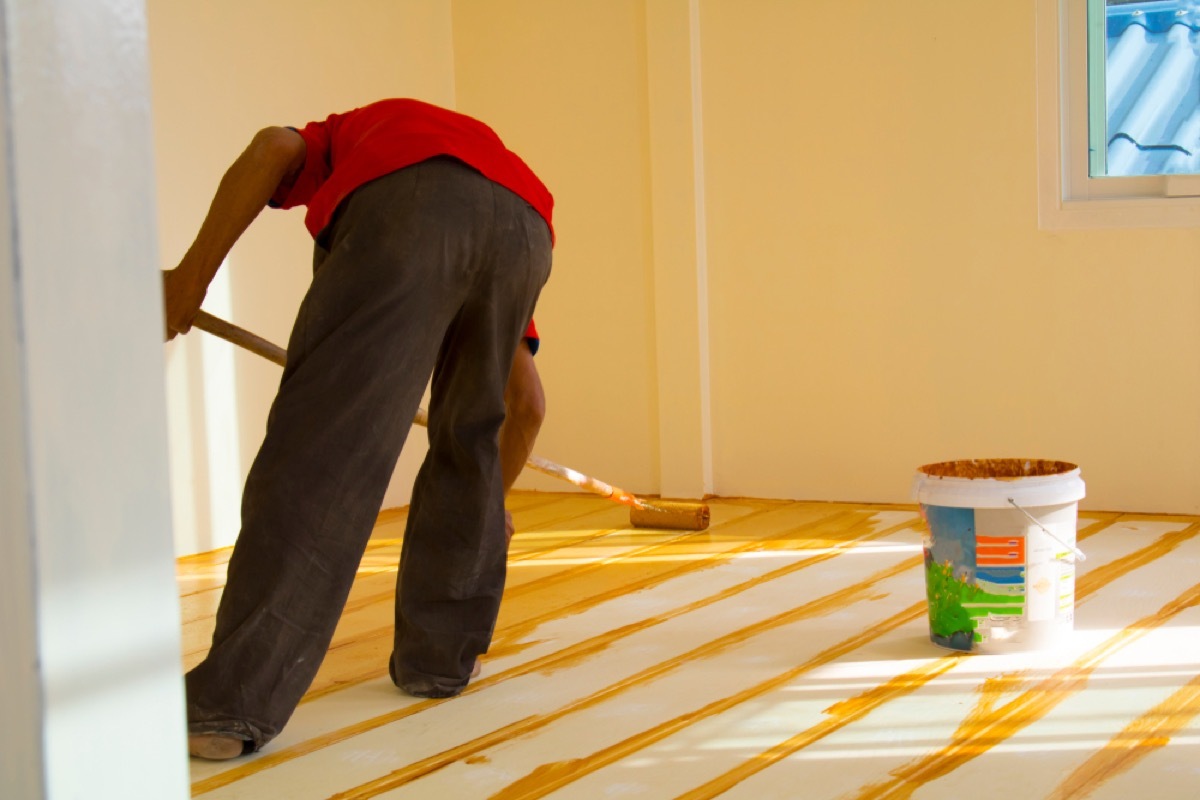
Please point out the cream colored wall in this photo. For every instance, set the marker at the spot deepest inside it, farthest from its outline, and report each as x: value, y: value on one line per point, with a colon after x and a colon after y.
x: 221, y: 70
x: 880, y: 295
x: 564, y: 85
x: 853, y: 266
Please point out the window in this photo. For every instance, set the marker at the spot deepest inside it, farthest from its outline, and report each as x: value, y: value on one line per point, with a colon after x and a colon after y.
x: 1143, y: 87
x: 1119, y: 132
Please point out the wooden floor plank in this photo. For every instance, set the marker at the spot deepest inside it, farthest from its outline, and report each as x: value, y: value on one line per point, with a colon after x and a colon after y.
x: 787, y: 646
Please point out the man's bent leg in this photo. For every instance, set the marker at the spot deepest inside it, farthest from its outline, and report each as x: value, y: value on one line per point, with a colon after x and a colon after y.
x: 453, y: 564
x: 363, y: 347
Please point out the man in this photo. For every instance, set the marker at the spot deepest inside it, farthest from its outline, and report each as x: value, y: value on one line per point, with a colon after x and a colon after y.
x: 432, y: 243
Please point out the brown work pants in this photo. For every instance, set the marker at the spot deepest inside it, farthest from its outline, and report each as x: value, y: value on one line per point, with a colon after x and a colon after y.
x: 431, y: 271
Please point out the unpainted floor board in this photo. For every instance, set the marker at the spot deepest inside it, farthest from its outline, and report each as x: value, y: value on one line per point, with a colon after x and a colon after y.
x: 782, y: 653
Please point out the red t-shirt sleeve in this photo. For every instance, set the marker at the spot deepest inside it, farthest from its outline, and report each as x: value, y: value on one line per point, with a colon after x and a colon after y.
x: 531, y: 338
x: 299, y: 188
x: 344, y: 151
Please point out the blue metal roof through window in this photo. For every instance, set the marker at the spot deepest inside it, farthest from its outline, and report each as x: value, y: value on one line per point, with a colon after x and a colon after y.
x: 1152, y: 87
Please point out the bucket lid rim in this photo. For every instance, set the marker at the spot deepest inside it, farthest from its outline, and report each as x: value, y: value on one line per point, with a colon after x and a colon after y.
x: 1055, y: 470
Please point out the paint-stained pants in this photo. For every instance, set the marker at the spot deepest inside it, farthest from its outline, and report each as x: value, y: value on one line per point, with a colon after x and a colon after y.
x: 432, y: 270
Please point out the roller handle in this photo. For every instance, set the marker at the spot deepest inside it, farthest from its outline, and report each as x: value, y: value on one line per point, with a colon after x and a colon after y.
x: 583, y: 481
x: 273, y: 352
x: 260, y: 346
x: 240, y: 336
x: 691, y: 516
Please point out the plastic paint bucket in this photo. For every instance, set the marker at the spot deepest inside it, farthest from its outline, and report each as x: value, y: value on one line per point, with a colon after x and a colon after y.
x: 1000, y: 552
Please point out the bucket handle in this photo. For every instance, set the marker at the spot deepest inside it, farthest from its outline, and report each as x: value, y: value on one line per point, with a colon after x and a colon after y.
x: 1078, y: 553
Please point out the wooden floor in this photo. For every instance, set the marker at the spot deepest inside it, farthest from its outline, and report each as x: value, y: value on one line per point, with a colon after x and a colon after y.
x: 783, y: 653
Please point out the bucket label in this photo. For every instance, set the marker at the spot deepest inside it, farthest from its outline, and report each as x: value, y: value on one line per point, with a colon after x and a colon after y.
x: 989, y: 576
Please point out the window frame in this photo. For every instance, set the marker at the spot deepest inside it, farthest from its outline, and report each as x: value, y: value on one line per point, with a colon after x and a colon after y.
x: 1068, y: 196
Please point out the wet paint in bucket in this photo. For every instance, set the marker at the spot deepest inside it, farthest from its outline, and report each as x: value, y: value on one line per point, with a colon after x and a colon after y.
x: 1000, y: 552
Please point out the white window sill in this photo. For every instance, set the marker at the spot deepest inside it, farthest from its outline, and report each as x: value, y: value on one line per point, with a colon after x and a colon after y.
x: 1067, y: 197
x: 1158, y: 212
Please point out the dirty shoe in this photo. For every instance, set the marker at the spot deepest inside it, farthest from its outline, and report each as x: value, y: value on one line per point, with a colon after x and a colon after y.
x: 215, y: 747
x: 435, y: 689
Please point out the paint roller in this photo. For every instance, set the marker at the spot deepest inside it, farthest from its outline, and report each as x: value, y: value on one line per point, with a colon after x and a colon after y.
x: 642, y: 513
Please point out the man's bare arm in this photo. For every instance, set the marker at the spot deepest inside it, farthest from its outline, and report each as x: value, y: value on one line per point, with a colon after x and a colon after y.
x: 273, y: 155
x: 525, y: 408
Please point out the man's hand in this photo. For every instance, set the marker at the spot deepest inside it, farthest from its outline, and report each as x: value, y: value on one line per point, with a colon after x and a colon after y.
x: 182, y: 296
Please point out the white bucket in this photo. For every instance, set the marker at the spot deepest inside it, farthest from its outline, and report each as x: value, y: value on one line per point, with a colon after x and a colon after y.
x: 1000, y: 552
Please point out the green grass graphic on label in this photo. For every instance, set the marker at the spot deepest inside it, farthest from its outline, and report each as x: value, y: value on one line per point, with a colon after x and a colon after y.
x: 956, y: 605
x: 948, y: 619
